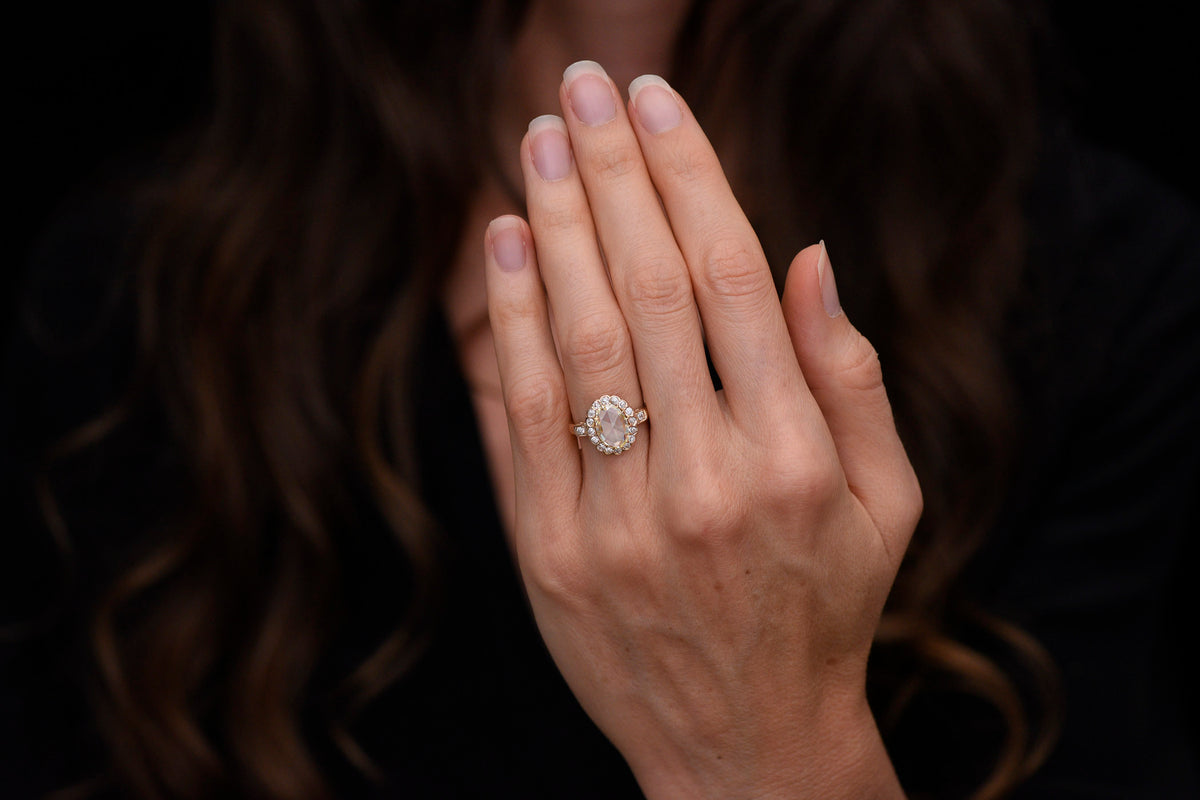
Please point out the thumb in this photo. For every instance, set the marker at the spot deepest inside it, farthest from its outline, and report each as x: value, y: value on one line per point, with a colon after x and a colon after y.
x: 843, y: 372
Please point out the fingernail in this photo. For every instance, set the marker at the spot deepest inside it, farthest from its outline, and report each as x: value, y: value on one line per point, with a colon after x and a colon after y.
x: 829, y: 295
x: 508, y: 245
x: 590, y: 92
x: 656, y: 104
x: 549, y: 147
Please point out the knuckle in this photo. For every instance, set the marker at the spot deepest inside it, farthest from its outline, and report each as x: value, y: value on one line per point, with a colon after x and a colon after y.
x: 658, y: 285
x: 731, y: 269
x: 819, y: 484
x: 612, y: 160
x: 686, y: 165
x: 700, y: 512
x: 804, y: 482
x: 858, y: 367
x: 556, y: 571
x: 508, y: 311
x: 625, y: 559
x: 596, y: 344
x: 559, y: 218
x: 535, y: 404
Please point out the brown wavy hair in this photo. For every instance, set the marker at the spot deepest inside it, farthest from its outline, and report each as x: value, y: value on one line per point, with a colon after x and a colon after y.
x: 292, y: 260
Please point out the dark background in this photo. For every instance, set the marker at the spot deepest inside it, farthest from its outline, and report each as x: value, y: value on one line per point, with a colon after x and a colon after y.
x: 101, y: 83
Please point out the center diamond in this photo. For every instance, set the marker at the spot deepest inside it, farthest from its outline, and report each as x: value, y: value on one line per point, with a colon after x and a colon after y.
x: 610, y: 425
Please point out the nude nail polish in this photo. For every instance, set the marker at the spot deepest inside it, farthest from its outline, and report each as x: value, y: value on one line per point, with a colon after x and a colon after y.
x: 549, y: 147
x: 656, y: 103
x: 508, y: 245
x: 590, y: 93
x: 829, y: 293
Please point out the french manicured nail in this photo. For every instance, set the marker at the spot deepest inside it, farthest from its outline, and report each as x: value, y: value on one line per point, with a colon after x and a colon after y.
x: 656, y: 104
x: 590, y: 92
x: 549, y: 147
x: 829, y: 295
x: 508, y: 245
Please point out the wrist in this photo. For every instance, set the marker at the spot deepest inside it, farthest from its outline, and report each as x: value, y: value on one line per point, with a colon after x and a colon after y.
x: 840, y: 758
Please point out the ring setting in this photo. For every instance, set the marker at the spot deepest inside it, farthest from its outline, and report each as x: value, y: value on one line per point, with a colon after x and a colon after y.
x: 610, y: 425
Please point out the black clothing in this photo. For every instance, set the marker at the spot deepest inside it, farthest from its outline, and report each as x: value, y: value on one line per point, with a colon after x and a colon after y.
x: 1091, y: 549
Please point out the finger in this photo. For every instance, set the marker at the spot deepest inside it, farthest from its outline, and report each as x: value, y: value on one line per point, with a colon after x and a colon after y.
x: 593, y: 340
x: 545, y: 456
x: 732, y: 282
x: 843, y: 373
x: 646, y: 269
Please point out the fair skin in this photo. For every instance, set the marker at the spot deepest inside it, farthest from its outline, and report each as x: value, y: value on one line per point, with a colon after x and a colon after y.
x: 711, y: 594
x: 631, y: 38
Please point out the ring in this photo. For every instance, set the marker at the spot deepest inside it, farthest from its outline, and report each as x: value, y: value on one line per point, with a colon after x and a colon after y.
x: 611, y: 425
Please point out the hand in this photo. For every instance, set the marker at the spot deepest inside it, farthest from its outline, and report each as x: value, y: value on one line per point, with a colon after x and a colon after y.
x: 711, y: 593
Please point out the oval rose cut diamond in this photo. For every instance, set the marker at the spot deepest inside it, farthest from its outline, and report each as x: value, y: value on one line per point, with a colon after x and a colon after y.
x: 611, y: 425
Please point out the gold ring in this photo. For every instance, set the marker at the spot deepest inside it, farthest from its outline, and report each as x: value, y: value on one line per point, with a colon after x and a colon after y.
x: 611, y: 425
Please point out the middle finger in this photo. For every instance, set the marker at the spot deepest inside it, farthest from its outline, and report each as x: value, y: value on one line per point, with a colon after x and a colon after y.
x: 649, y: 276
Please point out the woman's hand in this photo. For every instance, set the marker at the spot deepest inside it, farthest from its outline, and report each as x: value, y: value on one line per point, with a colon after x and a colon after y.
x: 711, y: 593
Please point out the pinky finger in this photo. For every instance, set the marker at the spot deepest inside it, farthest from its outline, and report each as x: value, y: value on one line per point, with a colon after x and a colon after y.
x: 546, y: 458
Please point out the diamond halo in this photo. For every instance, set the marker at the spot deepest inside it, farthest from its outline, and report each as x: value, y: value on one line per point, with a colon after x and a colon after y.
x: 610, y: 425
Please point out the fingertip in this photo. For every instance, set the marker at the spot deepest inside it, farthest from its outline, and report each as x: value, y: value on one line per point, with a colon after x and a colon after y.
x: 827, y: 284
x: 654, y: 104
x: 802, y: 280
x: 506, y: 241
x: 590, y: 93
x: 818, y: 326
x: 506, y: 220
x: 831, y: 351
x: 549, y: 147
